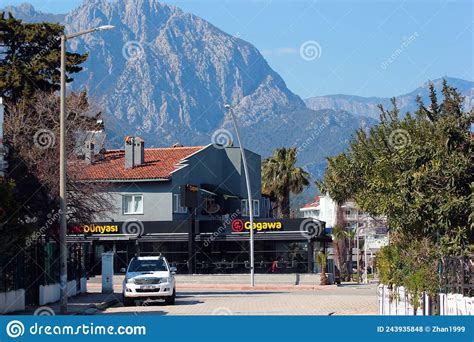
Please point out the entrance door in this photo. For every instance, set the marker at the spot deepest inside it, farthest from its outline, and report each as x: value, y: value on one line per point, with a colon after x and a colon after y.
x: 121, y: 257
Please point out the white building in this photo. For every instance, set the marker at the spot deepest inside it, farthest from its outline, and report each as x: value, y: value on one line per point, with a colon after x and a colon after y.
x: 372, y: 230
x: 325, y: 209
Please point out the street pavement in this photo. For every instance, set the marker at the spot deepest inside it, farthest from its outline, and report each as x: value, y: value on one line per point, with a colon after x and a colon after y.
x: 354, y: 299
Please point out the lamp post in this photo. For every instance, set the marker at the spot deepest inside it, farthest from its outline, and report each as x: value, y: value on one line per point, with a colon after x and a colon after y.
x: 358, y: 252
x: 249, y: 194
x: 365, y: 251
x: 62, y: 167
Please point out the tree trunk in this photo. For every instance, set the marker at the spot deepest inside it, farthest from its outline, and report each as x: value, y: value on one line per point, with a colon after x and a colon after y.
x: 349, y: 260
x: 285, y: 206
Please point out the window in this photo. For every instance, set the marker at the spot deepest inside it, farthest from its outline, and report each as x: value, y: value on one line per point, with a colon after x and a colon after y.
x: 177, y: 208
x: 147, y: 265
x: 256, y: 208
x: 348, y: 213
x: 132, y: 204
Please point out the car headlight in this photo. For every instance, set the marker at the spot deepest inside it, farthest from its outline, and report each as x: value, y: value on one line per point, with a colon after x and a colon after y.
x: 166, y: 280
x: 130, y: 281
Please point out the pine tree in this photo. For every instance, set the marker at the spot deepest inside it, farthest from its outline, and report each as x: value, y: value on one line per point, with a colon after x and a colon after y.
x: 30, y: 58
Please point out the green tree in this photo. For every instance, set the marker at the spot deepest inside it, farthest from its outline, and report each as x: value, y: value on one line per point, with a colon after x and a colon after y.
x: 322, y: 259
x: 30, y: 58
x: 281, y: 176
x: 417, y: 171
x: 9, y: 220
x: 339, y: 248
x: 350, y: 235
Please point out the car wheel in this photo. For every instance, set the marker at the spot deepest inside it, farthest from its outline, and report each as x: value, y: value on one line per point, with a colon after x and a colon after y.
x: 171, y: 300
x: 128, y: 301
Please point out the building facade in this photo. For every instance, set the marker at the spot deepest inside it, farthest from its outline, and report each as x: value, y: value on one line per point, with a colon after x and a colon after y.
x: 369, y: 230
x: 189, y: 204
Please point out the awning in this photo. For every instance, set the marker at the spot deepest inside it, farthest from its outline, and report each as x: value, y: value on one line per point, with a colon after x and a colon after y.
x: 216, y: 190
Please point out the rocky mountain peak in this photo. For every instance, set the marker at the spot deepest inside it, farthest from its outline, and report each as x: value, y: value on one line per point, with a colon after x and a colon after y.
x: 162, y: 68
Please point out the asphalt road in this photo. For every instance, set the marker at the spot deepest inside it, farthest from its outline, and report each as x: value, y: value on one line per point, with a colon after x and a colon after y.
x: 341, y: 300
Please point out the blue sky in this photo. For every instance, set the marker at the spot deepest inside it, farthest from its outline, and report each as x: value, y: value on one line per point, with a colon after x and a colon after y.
x: 366, y: 48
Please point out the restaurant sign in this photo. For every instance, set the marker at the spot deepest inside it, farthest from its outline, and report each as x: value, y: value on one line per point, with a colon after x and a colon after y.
x: 95, y: 229
x: 239, y: 226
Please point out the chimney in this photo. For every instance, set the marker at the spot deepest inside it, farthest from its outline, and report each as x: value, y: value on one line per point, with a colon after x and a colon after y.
x: 89, y: 152
x: 139, y: 153
x: 129, y: 152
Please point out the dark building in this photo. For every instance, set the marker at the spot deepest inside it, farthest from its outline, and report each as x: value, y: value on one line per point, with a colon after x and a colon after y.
x: 160, y: 195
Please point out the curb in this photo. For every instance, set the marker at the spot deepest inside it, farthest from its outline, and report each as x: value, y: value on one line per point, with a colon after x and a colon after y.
x: 93, y: 308
x: 108, y: 303
x: 242, y: 287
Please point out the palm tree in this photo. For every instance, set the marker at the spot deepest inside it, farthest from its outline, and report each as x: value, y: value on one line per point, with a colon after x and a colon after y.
x: 338, y: 243
x: 321, y: 259
x: 350, y: 234
x: 280, y: 177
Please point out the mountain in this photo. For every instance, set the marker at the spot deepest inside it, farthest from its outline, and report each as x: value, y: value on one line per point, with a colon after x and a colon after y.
x: 28, y: 13
x: 165, y: 75
x: 367, y: 106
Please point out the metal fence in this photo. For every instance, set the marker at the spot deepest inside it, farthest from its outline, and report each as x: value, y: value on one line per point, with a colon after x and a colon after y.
x: 457, y: 275
x: 456, y: 295
x: 38, y: 264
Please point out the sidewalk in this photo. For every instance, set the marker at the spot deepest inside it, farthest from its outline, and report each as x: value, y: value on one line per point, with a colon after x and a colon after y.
x: 94, y: 285
x: 83, y: 304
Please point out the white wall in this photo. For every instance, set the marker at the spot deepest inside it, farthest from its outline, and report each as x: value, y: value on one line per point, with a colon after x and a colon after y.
x: 327, y: 211
x: 456, y: 304
x: 51, y: 293
x: 12, y: 301
x: 397, y: 302
x: 157, y: 206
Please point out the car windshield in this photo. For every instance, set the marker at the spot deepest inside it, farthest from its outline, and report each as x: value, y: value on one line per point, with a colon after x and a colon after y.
x: 147, y: 266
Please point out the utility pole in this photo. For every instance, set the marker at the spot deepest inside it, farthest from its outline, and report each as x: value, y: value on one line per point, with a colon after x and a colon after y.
x: 63, y: 252
x: 3, y: 148
x: 358, y: 254
x: 249, y: 195
x: 366, y: 279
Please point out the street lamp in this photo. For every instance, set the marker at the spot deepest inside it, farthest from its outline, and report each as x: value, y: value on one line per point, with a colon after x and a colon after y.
x: 62, y: 167
x: 249, y: 194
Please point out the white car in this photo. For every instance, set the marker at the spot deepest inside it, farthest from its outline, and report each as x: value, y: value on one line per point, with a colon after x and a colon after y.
x: 149, y: 277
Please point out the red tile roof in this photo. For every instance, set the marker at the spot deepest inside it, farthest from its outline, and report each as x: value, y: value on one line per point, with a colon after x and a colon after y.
x: 313, y: 204
x: 159, y: 164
